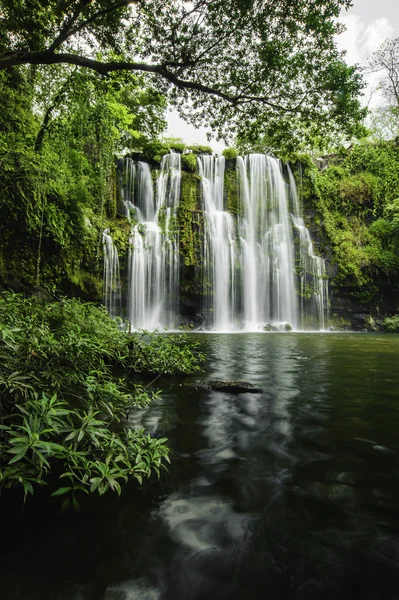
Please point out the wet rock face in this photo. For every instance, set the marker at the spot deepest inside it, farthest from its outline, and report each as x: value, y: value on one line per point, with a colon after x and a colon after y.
x: 364, y: 322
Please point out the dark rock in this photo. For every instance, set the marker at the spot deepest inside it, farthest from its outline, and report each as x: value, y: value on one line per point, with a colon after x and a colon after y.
x: 233, y: 387
x: 20, y: 288
x: 364, y: 322
x: 17, y: 286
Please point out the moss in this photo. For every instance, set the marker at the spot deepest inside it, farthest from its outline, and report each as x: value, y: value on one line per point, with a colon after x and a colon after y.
x: 190, y: 191
x: 231, y: 192
x: 189, y: 218
x: 120, y: 231
x: 343, y: 202
x: 336, y: 321
x: 189, y: 162
x: 230, y: 153
x: 112, y: 193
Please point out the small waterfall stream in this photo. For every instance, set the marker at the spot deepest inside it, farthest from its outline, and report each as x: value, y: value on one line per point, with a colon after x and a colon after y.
x: 313, y: 279
x: 219, y: 245
x: 259, y: 269
x: 153, y: 263
x: 111, y: 277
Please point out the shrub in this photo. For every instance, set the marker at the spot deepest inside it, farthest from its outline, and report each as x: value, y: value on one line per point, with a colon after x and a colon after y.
x: 230, y: 153
x: 391, y: 324
x: 61, y: 407
x: 189, y: 161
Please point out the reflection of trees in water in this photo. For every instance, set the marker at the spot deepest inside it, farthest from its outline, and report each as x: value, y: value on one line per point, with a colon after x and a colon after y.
x: 271, y: 500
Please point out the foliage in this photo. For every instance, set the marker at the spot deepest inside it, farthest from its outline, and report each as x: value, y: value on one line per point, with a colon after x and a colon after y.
x: 230, y: 153
x: 61, y: 407
x: 357, y: 211
x: 200, y: 149
x: 163, y: 354
x: 268, y: 69
x: 58, y: 175
x: 383, y: 123
x: 391, y: 324
x: 189, y: 161
x: 155, y: 149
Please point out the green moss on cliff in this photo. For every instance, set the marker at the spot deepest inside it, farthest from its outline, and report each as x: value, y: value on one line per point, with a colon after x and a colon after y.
x: 352, y: 210
x: 189, y: 218
x: 189, y: 162
x: 231, y: 192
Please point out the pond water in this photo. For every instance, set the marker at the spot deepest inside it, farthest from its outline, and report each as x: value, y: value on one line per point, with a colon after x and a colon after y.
x: 290, y: 493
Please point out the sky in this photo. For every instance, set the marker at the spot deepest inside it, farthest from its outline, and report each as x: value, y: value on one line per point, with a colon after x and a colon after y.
x: 368, y: 23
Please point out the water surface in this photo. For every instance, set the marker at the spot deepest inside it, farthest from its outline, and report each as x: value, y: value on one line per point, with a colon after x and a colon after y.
x: 291, y: 493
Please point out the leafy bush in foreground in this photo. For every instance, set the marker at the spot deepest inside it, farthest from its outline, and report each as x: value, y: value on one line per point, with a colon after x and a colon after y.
x: 61, y: 407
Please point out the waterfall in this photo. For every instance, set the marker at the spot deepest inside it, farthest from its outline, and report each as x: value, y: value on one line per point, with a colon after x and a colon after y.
x: 259, y: 269
x: 219, y: 245
x: 111, y: 279
x: 249, y: 268
x: 267, y: 250
x: 313, y: 281
x: 153, y: 263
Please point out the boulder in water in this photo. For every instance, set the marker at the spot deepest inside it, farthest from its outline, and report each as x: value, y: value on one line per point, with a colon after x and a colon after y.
x: 233, y: 387
x: 364, y: 322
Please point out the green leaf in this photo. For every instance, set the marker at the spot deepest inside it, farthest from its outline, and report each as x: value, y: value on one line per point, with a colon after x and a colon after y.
x: 61, y: 491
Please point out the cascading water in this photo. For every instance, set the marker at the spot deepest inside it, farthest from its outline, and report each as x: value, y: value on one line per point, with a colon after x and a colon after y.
x: 153, y: 271
x: 258, y: 263
x: 313, y: 281
x: 111, y: 278
x: 219, y: 245
x: 266, y: 245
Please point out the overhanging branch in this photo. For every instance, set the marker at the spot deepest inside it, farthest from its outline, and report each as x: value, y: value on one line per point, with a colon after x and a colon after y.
x: 47, y: 57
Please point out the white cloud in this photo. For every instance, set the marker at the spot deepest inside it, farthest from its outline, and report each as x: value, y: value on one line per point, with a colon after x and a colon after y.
x: 360, y: 40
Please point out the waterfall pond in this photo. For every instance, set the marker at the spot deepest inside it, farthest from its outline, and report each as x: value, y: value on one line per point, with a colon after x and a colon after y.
x: 286, y: 494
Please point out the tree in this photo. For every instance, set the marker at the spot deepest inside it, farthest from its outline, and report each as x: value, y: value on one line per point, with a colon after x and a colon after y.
x: 384, y: 120
x: 228, y: 64
x: 386, y: 61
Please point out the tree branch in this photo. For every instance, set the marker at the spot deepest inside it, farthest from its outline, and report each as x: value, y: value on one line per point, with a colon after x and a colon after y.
x: 66, y: 33
x: 104, y: 68
x: 68, y: 24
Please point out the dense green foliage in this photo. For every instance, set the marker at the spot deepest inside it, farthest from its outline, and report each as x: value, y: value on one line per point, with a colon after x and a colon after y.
x: 59, y: 132
x: 260, y: 67
x: 357, y: 204
x: 391, y: 324
x: 62, y: 408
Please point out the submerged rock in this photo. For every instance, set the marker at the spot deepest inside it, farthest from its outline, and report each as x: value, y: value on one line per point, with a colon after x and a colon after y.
x: 233, y: 387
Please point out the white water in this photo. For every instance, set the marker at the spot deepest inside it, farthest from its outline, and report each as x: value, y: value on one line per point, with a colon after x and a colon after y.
x: 267, y: 251
x: 254, y: 276
x: 313, y: 279
x: 219, y: 246
x: 111, y: 278
x: 153, y: 264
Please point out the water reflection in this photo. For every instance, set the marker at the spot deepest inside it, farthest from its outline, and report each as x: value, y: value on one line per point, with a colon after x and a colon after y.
x: 288, y: 494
